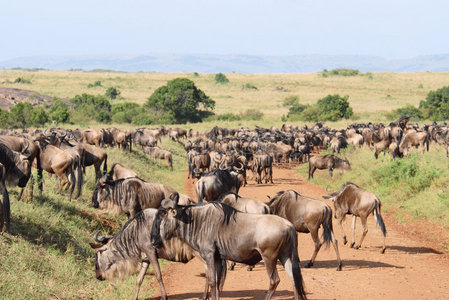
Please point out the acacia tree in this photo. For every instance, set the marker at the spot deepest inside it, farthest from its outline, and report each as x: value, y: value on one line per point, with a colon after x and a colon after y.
x: 180, y: 101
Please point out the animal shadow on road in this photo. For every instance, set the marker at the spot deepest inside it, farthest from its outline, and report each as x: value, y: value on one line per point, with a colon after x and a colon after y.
x: 414, y: 250
x: 354, y: 264
x: 245, y: 294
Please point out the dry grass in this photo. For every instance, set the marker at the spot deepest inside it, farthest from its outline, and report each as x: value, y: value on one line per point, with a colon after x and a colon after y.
x: 384, y: 92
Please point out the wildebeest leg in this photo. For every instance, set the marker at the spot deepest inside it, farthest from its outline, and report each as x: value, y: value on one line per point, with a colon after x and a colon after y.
x: 331, y: 171
x: 365, y: 231
x: 340, y: 223
x: 270, y: 264
x: 312, y: 170
x: 211, y: 275
x: 354, y: 218
x: 142, y: 272
x: 19, y: 197
x: 231, y: 267
x: 316, y: 241
x: 157, y: 271
x: 335, y: 244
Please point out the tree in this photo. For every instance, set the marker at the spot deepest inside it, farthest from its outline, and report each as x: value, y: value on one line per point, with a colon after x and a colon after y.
x: 59, y: 111
x: 20, y: 115
x: 39, y: 116
x: 4, y: 118
x: 112, y: 93
x: 436, y: 105
x: 87, y: 107
x: 221, y: 78
x: 179, y: 101
x: 334, y: 108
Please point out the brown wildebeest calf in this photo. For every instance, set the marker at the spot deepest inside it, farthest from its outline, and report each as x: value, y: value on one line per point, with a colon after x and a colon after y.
x: 307, y: 215
x: 352, y: 199
x: 159, y: 153
x: 329, y: 162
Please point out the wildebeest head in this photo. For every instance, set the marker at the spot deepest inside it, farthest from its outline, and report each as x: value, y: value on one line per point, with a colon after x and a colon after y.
x: 17, y: 164
x: 340, y: 206
x: 108, y: 264
x: 101, y: 194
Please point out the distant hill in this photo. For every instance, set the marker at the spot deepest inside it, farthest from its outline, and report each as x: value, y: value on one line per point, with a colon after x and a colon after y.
x: 231, y: 63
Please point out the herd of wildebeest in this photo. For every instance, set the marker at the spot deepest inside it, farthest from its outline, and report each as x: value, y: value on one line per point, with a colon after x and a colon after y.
x: 172, y: 226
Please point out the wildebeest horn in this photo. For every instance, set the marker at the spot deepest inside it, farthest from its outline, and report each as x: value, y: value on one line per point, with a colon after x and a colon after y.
x: 63, y: 136
x: 26, y: 148
x: 239, y: 169
x: 102, y: 239
x: 176, y: 200
x: 327, y: 192
x: 45, y: 133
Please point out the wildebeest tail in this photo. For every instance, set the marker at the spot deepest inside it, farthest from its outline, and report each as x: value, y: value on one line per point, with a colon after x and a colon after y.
x: 105, y: 165
x: 78, y: 176
x: 427, y: 141
x: 379, y: 219
x: 327, y: 226
x: 170, y: 162
x: 40, y: 177
x: 6, y: 209
x: 297, y: 277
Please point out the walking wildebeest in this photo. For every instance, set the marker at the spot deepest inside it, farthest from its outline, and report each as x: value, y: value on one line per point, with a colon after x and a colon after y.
x: 353, y: 200
x: 414, y: 139
x: 329, y: 162
x: 219, y: 232
x: 245, y: 205
x: 129, y: 195
x: 217, y: 182
x: 119, y: 256
x: 159, y: 153
x: 307, y: 215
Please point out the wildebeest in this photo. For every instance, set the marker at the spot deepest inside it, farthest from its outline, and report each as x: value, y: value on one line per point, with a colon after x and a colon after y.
x: 119, y: 171
x: 129, y: 196
x: 159, y: 153
x: 245, y: 205
x: 353, y: 200
x: 263, y: 163
x: 217, y: 182
x: 59, y: 162
x: 307, y: 215
x: 329, y: 162
x: 119, y: 256
x: 16, y: 171
x: 219, y: 232
x: 414, y: 139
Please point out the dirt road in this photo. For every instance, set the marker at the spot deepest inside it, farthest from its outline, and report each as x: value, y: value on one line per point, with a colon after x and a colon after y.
x: 411, y: 268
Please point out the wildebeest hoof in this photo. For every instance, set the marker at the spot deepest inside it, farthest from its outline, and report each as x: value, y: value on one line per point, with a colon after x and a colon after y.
x: 309, y: 264
x: 250, y: 268
x: 344, y: 241
x: 357, y: 247
x: 352, y: 245
x: 339, y: 267
x: 383, y: 251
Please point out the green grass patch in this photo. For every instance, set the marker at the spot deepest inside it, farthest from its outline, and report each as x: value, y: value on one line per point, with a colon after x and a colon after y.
x: 48, y: 256
x: 415, y: 185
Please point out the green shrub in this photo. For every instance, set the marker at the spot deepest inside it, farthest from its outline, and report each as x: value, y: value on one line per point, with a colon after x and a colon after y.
x: 249, y: 86
x: 340, y: 72
x: 334, y: 108
x: 112, y: 93
x: 89, y: 107
x: 179, y: 101
x: 436, y: 105
x: 39, y: 117
x: 221, y: 78
x: 22, y: 80
x: 59, y: 111
x: 21, y: 115
x: 4, y: 118
x: 229, y: 117
x: 95, y: 84
x: 290, y: 100
x: 409, y: 110
x: 124, y: 112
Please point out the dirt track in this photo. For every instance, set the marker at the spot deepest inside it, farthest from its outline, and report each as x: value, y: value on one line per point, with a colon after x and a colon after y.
x: 410, y: 268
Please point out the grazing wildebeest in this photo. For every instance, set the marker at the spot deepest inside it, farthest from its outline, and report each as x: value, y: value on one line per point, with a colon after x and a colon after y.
x: 143, y: 139
x: 382, y: 145
x: 119, y: 256
x: 245, y: 205
x: 159, y: 153
x: 16, y: 171
x: 59, y: 162
x: 129, y: 196
x: 329, y: 162
x: 307, y: 215
x: 414, y: 139
x: 353, y: 200
x: 95, y: 156
x: 216, y: 182
x: 219, y: 232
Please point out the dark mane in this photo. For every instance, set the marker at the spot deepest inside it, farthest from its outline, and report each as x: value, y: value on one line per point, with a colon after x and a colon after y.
x: 275, y: 198
x: 348, y: 183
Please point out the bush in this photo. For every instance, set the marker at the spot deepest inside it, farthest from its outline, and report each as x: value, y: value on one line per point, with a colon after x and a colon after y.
x: 249, y: 86
x: 179, y: 101
x: 4, y: 118
x: 124, y: 112
x: 252, y: 115
x: 436, y: 105
x: 334, y: 108
x: 22, y: 80
x: 340, y: 72
x: 290, y: 100
x: 39, y: 117
x: 229, y: 117
x: 112, y: 93
x: 59, y: 111
x: 409, y: 110
x: 95, y: 84
x: 21, y: 115
x: 87, y: 107
x: 221, y: 78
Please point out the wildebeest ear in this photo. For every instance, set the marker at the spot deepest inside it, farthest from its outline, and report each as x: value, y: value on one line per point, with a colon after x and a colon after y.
x: 326, y: 197
x: 95, y: 245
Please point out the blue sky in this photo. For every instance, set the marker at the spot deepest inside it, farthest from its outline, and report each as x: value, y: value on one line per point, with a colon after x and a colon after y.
x: 391, y: 29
